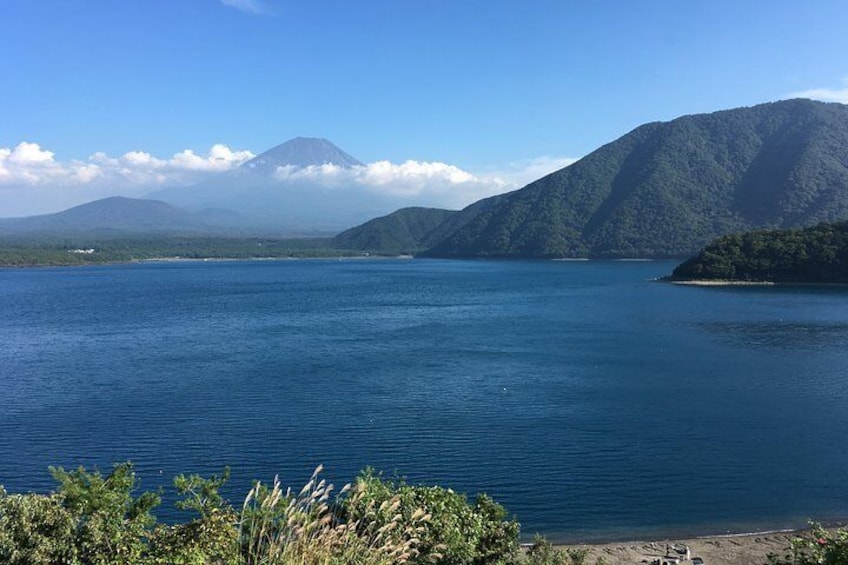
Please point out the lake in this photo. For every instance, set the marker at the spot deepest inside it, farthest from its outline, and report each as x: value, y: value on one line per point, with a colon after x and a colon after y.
x: 590, y: 401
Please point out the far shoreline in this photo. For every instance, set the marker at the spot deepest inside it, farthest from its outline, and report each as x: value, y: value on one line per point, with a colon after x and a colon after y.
x: 248, y: 259
x: 718, y: 282
x: 716, y: 549
x: 730, y: 283
x: 177, y: 259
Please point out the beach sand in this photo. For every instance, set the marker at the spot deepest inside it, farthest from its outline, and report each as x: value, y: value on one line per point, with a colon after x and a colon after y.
x: 717, y: 550
x: 722, y: 283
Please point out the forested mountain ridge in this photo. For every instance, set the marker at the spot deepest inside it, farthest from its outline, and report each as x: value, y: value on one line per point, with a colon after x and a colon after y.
x: 409, y: 230
x: 668, y: 188
x: 402, y: 231
x: 813, y: 255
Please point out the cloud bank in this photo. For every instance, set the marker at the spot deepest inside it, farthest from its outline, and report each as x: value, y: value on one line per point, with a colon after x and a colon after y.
x: 27, y: 163
x: 421, y: 182
x: 33, y: 181
x: 825, y: 94
x: 425, y: 183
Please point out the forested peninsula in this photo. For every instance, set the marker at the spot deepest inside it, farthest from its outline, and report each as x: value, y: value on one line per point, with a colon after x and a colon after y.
x: 101, y: 249
x: 811, y: 255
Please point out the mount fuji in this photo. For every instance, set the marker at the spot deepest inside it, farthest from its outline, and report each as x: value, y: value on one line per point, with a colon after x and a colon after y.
x: 275, y: 191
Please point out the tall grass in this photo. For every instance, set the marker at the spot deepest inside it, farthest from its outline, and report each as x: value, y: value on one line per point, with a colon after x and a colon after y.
x: 280, y: 527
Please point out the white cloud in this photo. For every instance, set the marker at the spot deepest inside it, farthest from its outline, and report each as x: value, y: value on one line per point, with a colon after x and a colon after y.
x: 29, y: 153
x: 220, y: 158
x: 143, y: 159
x: 523, y: 172
x: 28, y: 163
x: 256, y: 7
x: 825, y: 94
x: 384, y: 173
x: 425, y: 183
x: 428, y: 183
x: 32, y: 181
x: 30, y: 175
x: 85, y: 172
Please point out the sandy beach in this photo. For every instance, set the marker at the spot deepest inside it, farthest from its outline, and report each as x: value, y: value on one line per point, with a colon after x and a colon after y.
x: 722, y: 283
x: 741, y: 549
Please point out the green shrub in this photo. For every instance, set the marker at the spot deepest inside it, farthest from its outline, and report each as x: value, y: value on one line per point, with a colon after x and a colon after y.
x: 816, y: 547
x: 543, y: 553
x: 455, y: 532
x: 209, y: 539
x: 35, y: 529
x: 111, y: 526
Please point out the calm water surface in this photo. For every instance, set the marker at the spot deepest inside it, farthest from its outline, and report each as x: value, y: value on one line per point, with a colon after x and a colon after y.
x: 591, y: 402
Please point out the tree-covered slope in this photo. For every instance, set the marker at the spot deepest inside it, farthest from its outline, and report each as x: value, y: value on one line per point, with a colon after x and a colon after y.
x: 666, y: 189
x: 402, y: 231
x: 813, y: 255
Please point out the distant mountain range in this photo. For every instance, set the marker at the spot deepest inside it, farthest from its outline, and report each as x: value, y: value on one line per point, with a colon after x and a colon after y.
x: 662, y: 190
x: 111, y: 215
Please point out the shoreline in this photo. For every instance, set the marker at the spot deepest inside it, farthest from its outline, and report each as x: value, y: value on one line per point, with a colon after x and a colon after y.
x: 720, y: 549
x: 719, y: 282
x: 724, y: 282
x: 177, y: 259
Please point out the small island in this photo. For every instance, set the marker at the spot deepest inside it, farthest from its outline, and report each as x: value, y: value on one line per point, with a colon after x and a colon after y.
x: 816, y: 255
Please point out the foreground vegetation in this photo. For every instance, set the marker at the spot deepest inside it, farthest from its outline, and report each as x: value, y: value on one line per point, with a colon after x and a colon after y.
x: 813, y: 255
x: 818, y: 547
x: 92, y: 519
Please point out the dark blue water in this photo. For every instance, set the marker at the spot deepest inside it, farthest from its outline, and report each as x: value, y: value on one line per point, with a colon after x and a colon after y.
x: 591, y: 402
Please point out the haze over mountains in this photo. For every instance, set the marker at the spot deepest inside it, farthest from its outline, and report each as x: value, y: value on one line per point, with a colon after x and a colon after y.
x: 118, y: 215
x: 280, y: 189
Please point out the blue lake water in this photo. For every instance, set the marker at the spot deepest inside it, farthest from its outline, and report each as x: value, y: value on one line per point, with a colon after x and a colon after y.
x: 588, y: 400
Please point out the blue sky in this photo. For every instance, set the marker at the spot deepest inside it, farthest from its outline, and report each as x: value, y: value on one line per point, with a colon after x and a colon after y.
x: 480, y: 85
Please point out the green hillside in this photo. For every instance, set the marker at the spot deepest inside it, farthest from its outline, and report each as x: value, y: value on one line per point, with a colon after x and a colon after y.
x: 666, y: 189
x: 403, y: 231
x: 812, y: 255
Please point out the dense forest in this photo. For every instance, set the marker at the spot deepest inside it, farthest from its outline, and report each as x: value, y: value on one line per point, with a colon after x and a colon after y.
x: 94, y: 249
x: 401, y: 232
x: 667, y: 189
x: 812, y: 255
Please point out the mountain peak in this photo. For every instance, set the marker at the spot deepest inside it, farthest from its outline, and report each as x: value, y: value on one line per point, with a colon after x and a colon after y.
x: 300, y: 152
